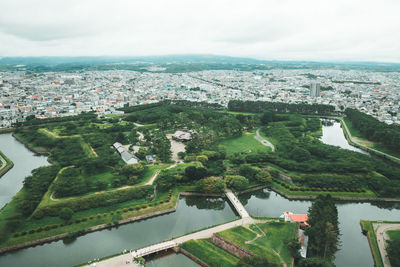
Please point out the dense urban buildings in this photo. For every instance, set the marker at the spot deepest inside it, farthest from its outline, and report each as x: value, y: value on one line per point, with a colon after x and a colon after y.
x: 50, y: 94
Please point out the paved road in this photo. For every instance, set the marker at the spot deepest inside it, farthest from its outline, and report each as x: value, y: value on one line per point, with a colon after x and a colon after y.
x: 237, y: 204
x: 381, y: 237
x: 367, y: 148
x: 263, y: 141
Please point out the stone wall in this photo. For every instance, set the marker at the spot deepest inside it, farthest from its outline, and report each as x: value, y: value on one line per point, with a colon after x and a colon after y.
x: 232, y: 248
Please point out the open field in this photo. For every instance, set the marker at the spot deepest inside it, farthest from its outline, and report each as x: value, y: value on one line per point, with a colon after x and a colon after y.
x: 243, y: 143
x: 211, y: 254
x: 394, y: 235
x: 270, y: 243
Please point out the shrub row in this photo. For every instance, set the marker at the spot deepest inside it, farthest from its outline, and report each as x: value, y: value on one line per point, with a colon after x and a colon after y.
x: 94, y: 201
x: 335, y: 189
x: 83, y: 219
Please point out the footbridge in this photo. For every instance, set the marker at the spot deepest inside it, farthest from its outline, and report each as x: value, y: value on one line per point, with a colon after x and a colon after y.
x: 237, y: 204
x: 127, y: 259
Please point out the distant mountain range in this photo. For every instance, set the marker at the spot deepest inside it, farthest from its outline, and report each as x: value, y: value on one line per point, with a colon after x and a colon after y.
x: 194, y: 61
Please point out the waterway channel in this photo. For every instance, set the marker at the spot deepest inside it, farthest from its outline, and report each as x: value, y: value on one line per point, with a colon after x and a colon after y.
x: 24, y: 162
x: 332, y: 134
x: 193, y: 213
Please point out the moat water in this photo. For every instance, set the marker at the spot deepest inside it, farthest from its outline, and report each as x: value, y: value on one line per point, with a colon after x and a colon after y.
x: 333, y: 135
x: 193, y: 213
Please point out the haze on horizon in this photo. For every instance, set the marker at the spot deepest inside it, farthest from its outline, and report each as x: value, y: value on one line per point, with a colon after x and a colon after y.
x: 318, y: 30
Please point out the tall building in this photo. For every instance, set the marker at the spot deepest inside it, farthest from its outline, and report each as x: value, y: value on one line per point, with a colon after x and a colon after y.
x: 314, y: 89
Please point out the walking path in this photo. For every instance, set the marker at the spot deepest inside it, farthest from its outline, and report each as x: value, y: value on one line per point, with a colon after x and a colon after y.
x: 352, y: 139
x: 263, y: 141
x: 237, y: 204
x: 382, y: 237
x: 150, y: 182
x: 122, y: 260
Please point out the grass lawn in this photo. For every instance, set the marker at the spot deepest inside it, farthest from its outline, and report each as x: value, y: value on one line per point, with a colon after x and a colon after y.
x: 151, y: 170
x: 180, y: 168
x: 394, y: 235
x: 271, y: 242
x: 242, y: 143
x: 354, y: 132
x: 211, y: 254
x: 367, y: 226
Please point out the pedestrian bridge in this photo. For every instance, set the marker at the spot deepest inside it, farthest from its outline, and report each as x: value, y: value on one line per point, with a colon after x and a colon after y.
x: 153, y: 249
x: 237, y: 204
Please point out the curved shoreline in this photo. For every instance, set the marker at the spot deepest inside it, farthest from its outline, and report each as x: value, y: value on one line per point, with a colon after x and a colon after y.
x: 8, y: 164
x: 169, y: 210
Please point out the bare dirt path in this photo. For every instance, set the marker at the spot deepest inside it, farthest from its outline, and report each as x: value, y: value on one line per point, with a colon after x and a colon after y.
x: 382, y: 237
x: 263, y: 141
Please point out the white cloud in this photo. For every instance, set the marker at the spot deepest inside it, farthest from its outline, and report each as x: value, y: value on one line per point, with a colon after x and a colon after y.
x: 274, y: 29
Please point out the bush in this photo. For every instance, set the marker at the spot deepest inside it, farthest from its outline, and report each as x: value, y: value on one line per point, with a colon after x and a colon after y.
x: 16, y: 235
x: 31, y: 231
x: 111, y: 212
x: 54, y: 226
x: 144, y: 206
x: 84, y: 219
x: 236, y: 182
x: 124, y: 209
x: 66, y: 214
x: 131, y: 208
x: 39, y: 229
x: 118, y: 211
x: 23, y: 233
x: 137, y: 207
x: 91, y: 217
x: 47, y: 228
x: 77, y: 220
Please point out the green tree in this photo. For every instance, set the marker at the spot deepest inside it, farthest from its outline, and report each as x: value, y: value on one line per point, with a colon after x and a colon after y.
x: 66, y: 214
x: 236, y: 182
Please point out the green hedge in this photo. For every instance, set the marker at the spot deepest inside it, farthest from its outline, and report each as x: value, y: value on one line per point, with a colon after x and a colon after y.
x: 94, y: 201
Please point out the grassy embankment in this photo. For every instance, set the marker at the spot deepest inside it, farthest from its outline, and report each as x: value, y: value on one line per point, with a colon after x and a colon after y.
x: 394, y: 235
x: 373, y: 243
x: 97, y: 216
x: 263, y: 239
x: 5, y: 167
x: 367, y: 194
x: 269, y: 244
x: 209, y: 253
x: 243, y: 143
x: 85, y: 146
x: 360, y: 138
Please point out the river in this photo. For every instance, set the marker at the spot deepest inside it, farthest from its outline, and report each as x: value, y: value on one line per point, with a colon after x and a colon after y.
x: 333, y: 135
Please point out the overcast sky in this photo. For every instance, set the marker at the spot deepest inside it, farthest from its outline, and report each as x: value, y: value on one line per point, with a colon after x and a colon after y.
x: 355, y: 30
